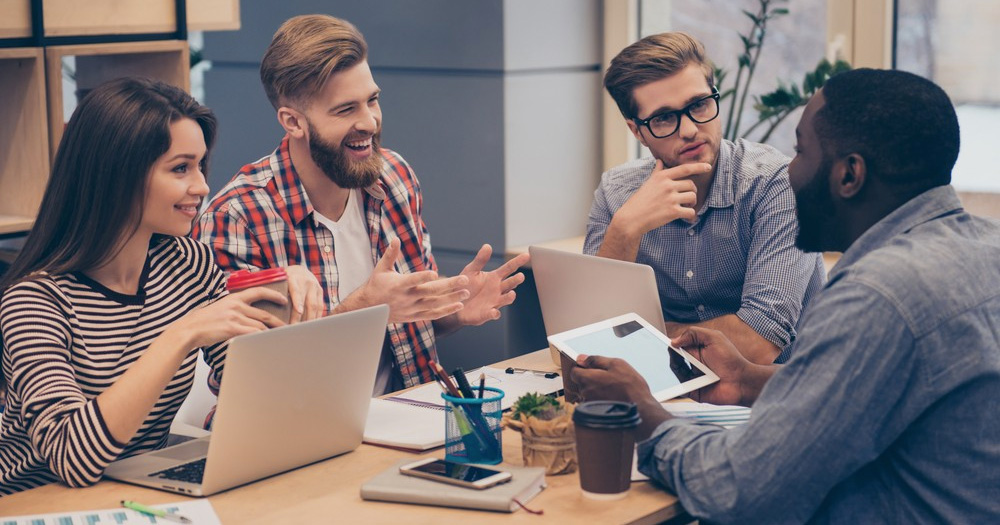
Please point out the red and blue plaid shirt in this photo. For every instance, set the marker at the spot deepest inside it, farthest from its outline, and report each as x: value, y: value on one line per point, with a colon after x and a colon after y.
x: 263, y: 219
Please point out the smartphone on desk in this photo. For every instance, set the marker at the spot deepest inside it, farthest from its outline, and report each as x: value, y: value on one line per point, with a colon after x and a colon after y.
x: 469, y: 476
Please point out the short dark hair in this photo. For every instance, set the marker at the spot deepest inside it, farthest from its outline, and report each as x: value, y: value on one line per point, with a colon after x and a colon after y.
x: 651, y: 59
x: 94, y: 198
x: 903, y: 125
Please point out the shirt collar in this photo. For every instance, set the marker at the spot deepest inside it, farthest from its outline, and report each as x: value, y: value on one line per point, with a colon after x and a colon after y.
x: 929, y: 205
x: 293, y: 193
x: 721, y: 192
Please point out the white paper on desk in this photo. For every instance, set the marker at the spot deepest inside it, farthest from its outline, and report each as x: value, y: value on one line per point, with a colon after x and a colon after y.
x: 400, y: 425
x: 513, y: 385
x: 726, y: 416
x: 200, y: 512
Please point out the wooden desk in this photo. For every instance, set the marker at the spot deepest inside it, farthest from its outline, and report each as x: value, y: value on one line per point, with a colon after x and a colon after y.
x: 328, y: 492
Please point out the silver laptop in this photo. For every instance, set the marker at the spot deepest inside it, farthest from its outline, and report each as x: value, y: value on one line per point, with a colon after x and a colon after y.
x: 290, y: 396
x: 576, y: 290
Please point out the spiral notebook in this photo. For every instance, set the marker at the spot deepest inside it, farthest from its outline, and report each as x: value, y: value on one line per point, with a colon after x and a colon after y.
x: 404, y: 425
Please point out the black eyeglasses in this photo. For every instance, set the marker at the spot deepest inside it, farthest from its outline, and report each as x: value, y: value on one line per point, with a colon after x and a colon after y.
x: 662, y: 125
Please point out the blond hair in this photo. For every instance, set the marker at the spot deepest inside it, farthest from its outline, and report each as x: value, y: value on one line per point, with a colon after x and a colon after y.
x: 304, y: 52
x: 650, y: 59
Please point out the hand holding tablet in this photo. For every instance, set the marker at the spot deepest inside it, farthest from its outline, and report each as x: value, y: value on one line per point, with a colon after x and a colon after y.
x: 670, y: 372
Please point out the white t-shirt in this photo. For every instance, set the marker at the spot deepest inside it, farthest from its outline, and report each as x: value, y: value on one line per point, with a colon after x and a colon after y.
x: 352, y: 245
x: 353, y: 256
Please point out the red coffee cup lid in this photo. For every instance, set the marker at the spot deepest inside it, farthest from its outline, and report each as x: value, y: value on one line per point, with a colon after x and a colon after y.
x: 250, y: 278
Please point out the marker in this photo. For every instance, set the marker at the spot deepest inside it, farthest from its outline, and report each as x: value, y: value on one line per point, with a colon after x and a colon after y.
x: 463, y: 383
x: 139, y: 507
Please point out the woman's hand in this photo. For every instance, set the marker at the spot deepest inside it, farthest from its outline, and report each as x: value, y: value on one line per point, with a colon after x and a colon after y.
x: 227, y: 318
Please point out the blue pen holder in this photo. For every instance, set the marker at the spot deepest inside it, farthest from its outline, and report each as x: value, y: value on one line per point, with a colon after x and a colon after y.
x: 472, y: 428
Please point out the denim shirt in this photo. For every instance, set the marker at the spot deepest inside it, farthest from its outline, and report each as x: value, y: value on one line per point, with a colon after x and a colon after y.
x: 738, y: 257
x: 888, y: 410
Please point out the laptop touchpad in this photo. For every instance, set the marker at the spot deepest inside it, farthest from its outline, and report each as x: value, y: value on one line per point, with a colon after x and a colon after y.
x: 190, y: 450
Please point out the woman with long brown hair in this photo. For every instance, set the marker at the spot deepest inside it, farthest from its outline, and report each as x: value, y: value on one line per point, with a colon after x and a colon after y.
x: 104, y: 311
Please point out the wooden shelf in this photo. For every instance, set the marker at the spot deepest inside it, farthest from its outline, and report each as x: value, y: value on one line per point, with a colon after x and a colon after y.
x: 15, y: 224
x: 31, y: 79
x: 24, y: 142
x: 116, y: 17
x: 166, y: 60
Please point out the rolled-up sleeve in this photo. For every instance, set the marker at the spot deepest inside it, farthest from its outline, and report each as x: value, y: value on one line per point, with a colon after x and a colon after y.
x: 777, y: 273
x: 842, y: 400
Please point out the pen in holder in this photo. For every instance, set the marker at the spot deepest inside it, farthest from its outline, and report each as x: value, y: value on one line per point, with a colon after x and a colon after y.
x: 472, y: 428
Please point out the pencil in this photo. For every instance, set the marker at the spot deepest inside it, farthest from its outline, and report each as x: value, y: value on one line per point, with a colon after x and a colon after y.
x: 443, y: 376
x: 482, y: 384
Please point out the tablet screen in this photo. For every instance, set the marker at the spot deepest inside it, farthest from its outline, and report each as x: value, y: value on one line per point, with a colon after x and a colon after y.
x: 664, y: 368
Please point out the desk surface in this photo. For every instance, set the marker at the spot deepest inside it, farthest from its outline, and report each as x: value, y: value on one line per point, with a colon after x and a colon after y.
x: 329, y: 491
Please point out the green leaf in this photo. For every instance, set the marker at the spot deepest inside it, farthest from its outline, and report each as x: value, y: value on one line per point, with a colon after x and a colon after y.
x: 720, y: 75
x: 779, y: 11
x: 533, y: 404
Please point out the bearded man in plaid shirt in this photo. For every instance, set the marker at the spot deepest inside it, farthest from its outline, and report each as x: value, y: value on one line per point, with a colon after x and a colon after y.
x: 330, y: 199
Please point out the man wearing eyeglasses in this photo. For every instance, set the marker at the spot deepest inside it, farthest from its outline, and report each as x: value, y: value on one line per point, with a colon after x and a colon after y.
x: 714, y: 219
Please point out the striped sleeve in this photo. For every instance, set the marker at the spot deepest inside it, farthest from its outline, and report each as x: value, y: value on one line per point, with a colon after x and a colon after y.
x: 66, y: 429
x: 215, y: 355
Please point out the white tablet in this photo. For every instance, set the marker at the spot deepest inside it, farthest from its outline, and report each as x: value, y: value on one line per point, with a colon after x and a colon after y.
x: 669, y: 371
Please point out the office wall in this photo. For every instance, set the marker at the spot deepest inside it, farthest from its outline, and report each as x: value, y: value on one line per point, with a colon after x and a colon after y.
x: 493, y: 102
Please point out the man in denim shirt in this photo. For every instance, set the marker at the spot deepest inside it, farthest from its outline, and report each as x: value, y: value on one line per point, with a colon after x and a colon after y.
x: 714, y: 219
x: 887, y: 410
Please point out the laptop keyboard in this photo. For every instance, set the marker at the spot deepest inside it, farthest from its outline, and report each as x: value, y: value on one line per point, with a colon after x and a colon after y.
x: 191, y: 472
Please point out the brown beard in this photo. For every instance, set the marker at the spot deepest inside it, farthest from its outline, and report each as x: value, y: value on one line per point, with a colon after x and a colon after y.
x: 344, y: 172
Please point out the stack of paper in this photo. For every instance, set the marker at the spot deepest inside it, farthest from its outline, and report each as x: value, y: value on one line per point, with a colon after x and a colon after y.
x: 726, y: 416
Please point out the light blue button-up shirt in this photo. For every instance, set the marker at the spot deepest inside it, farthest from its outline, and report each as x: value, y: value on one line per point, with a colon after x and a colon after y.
x: 888, y: 410
x: 738, y: 258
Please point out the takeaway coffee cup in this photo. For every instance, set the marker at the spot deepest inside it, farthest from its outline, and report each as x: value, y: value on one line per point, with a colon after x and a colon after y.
x: 273, y: 278
x: 605, y: 442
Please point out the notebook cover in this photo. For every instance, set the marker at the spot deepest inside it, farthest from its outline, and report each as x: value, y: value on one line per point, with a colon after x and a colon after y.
x: 390, y: 485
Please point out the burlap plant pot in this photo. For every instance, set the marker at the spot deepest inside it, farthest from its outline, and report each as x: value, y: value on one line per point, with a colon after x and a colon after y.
x: 548, y: 443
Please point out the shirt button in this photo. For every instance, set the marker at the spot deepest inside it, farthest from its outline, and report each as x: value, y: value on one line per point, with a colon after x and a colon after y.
x: 689, y: 274
x: 701, y: 308
x: 690, y: 232
x: 327, y: 248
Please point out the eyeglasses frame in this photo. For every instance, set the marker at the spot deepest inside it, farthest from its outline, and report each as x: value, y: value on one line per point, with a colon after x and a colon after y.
x: 686, y: 110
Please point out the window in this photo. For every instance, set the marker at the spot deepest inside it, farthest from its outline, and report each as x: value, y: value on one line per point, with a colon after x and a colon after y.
x: 791, y: 47
x: 953, y: 44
